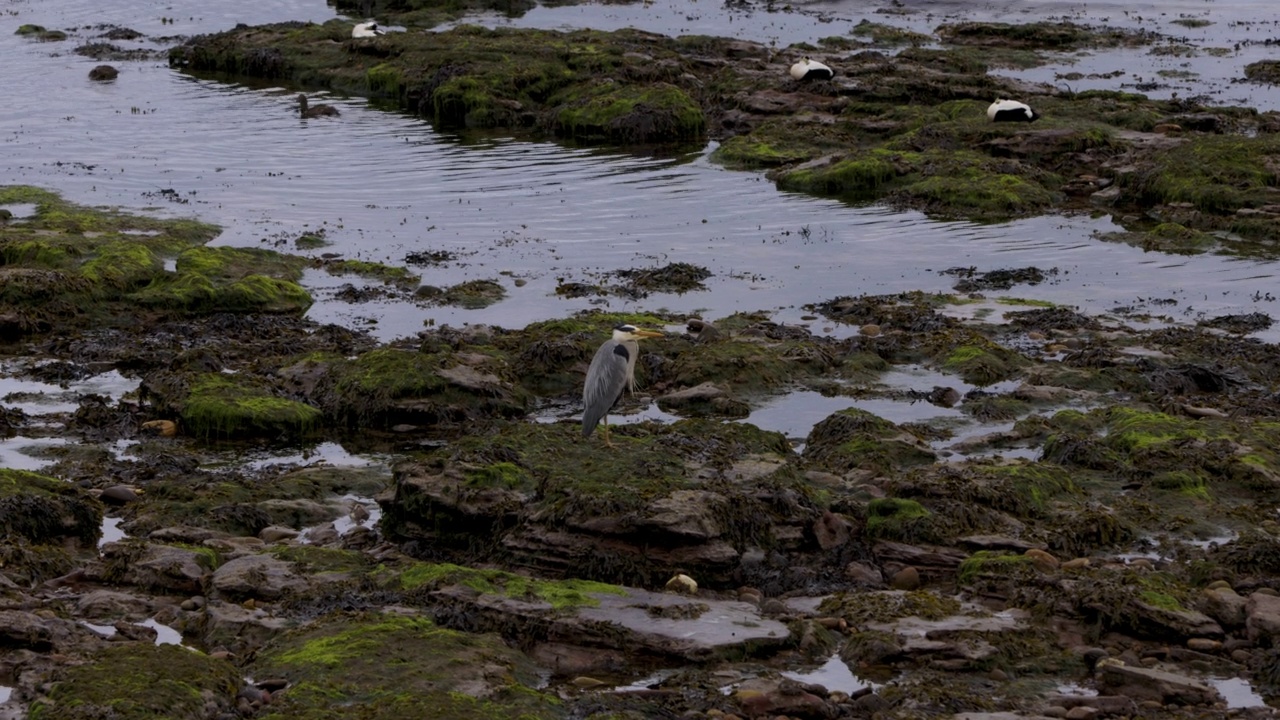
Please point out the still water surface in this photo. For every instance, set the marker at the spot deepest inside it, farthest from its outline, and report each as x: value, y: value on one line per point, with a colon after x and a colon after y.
x: 384, y: 185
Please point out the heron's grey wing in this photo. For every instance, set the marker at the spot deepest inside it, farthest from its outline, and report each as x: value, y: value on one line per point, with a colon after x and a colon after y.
x: 606, y: 378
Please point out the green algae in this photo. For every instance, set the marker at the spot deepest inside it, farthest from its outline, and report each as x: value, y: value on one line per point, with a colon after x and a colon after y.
x: 226, y: 279
x: 141, y: 681
x: 389, y: 274
x: 860, y: 608
x: 559, y: 594
x: 1217, y: 174
x: 399, y: 667
x: 854, y: 438
x: 311, y: 559
x: 896, y: 519
x: 989, y: 562
x: 221, y: 405
x: 630, y: 113
x: 982, y: 363
x: 882, y: 35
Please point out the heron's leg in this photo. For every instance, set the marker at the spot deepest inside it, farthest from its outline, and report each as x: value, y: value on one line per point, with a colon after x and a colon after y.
x: 605, y: 431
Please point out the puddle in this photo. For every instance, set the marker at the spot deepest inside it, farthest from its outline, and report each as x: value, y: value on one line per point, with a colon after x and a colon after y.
x: 1237, y: 692
x: 21, y: 211
x: 6, y: 692
x: 647, y: 682
x: 165, y: 635
x: 345, y: 523
x: 104, y: 630
x: 630, y: 414
x: 24, y: 453
x: 1074, y: 689
x: 111, y: 531
x: 328, y: 453
x: 39, y: 398
x: 833, y: 675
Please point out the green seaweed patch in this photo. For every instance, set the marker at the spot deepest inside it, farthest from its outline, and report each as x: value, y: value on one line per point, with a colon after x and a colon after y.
x: 883, y: 35
x: 399, y: 667
x: 85, y: 228
x: 982, y: 362
x: 226, y: 279
x: 559, y: 594
x: 472, y: 295
x: 1044, y: 35
x: 46, y: 510
x: 142, y: 681
x: 222, y: 405
x: 123, y: 265
x: 744, y: 364
x: 987, y: 563
x: 1169, y: 237
x: 1217, y: 174
x: 389, y: 274
x: 623, y: 113
x: 897, y: 519
x: 312, y: 559
x: 1263, y: 71
x: 1193, y: 23
x: 853, y: 438
x: 860, y: 608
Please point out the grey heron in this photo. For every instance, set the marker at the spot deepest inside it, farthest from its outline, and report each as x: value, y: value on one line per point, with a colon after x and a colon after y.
x: 612, y: 370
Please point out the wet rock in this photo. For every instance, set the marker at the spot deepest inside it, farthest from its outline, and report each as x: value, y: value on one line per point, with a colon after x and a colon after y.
x: 258, y: 576
x: 118, y: 495
x: 773, y: 697
x: 1262, y: 617
x: 566, y: 659
x: 929, y: 561
x: 703, y: 400
x: 1142, y: 683
x: 864, y: 574
x: 1226, y: 606
x: 238, y: 628
x: 276, y: 533
x: 907, y: 578
x: 112, y: 605
x: 151, y: 566
x: 1109, y: 705
x: 832, y: 530
x: 995, y: 542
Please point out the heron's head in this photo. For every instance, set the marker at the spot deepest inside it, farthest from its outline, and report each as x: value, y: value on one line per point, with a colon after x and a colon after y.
x: 631, y: 332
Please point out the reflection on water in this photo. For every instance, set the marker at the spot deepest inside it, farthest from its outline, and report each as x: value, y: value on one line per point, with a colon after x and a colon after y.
x: 383, y: 185
x: 833, y: 675
x: 1237, y: 692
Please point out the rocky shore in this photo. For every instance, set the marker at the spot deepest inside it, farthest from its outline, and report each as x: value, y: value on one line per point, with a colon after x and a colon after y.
x: 1110, y: 551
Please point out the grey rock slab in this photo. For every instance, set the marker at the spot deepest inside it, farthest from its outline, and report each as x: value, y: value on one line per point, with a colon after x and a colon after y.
x: 723, y: 625
x: 259, y: 576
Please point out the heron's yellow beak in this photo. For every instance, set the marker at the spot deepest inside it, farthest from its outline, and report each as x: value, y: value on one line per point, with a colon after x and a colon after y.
x: 648, y: 334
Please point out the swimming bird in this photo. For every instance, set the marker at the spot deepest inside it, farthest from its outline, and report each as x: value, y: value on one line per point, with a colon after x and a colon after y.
x: 809, y: 69
x: 1011, y: 111
x: 612, y: 370
x: 315, y: 111
x: 366, y: 30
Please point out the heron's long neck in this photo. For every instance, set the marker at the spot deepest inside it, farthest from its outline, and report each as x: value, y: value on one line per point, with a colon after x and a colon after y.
x: 633, y: 351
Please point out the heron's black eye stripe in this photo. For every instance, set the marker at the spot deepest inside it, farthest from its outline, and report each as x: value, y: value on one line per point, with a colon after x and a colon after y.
x: 621, y: 351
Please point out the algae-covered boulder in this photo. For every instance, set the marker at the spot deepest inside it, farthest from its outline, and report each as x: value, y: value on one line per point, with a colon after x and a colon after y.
x: 853, y: 438
x: 142, y: 681
x: 693, y: 494
x: 396, y: 666
x: 228, y: 405
x: 224, y: 279
x: 391, y: 386
x: 42, y: 509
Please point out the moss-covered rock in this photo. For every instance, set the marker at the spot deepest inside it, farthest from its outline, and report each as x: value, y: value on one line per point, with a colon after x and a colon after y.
x: 854, y: 438
x: 141, y: 681
x: 225, y: 279
x: 398, y: 667
x: 46, y: 510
